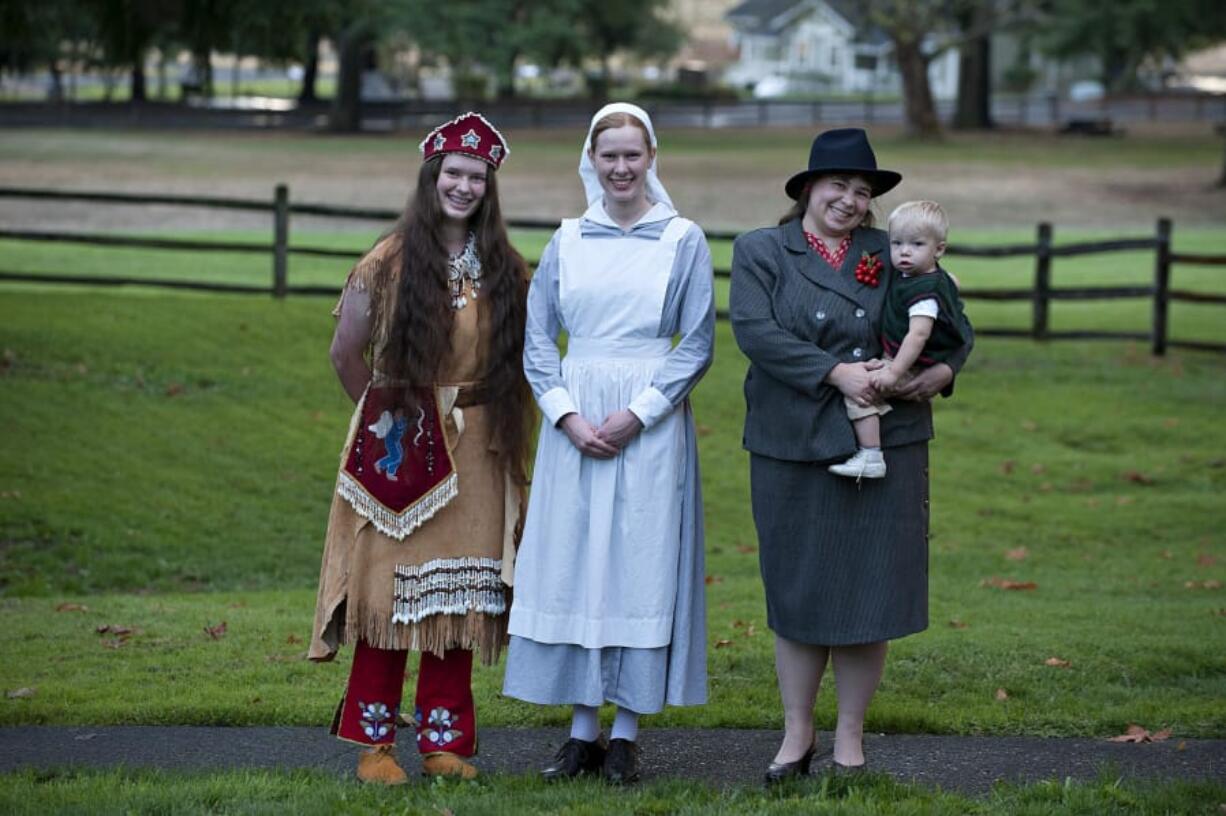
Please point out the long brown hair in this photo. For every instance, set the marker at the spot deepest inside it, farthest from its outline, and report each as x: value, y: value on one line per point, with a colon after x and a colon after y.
x: 421, y: 319
x: 797, y: 210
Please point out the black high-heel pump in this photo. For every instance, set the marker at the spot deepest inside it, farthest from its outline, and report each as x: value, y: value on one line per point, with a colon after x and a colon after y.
x: 776, y: 772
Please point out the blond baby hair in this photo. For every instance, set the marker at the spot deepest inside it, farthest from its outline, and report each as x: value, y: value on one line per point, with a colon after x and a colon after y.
x: 924, y: 217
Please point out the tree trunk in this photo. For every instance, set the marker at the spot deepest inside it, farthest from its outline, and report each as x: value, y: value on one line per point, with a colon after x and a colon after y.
x: 138, y: 78
x: 346, y: 115
x: 919, y: 109
x: 506, y: 78
x: 598, y: 85
x: 310, y: 71
x: 162, y: 61
x: 55, y: 91
x: 1221, y: 179
x: 974, y: 110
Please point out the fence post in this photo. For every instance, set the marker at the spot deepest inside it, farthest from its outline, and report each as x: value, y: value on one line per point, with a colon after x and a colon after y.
x: 1042, y: 282
x: 280, y: 240
x: 1162, y: 286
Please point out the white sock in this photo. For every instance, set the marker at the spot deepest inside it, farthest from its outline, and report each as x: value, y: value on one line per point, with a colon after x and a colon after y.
x: 871, y: 450
x: 584, y: 724
x: 625, y: 725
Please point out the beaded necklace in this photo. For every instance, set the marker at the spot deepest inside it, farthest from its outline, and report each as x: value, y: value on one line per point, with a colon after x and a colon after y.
x: 465, y: 265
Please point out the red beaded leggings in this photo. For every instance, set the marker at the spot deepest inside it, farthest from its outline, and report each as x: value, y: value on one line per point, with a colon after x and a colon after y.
x: 444, y: 713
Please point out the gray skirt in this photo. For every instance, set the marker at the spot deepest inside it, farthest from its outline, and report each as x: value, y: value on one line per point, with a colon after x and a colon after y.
x: 843, y: 562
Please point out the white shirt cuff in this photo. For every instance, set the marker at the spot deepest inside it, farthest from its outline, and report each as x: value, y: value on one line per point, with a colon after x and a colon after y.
x: 556, y: 403
x: 650, y: 406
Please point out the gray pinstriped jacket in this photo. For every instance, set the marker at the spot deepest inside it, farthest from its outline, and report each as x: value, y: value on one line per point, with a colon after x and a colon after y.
x: 795, y: 321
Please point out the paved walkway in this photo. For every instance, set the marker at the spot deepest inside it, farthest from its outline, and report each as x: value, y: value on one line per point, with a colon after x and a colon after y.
x: 721, y: 757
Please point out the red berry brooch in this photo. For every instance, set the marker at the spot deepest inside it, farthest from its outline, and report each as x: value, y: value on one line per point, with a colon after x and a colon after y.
x: 868, y: 270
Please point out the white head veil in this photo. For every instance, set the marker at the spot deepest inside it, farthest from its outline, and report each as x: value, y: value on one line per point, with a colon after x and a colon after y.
x: 587, y: 171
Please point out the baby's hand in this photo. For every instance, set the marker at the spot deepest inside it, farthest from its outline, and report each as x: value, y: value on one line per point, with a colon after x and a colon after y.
x: 884, y: 379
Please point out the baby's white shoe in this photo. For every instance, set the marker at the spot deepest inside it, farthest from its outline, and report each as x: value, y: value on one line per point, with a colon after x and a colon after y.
x: 866, y: 464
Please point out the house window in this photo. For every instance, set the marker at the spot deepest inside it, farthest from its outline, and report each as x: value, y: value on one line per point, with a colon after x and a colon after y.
x: 866, y: 62
x: 834, y: 58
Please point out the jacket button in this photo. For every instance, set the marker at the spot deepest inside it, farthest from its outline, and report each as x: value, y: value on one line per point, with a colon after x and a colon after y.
x: 860, y: 313
x: 857, y: 353
x: 820, y: 315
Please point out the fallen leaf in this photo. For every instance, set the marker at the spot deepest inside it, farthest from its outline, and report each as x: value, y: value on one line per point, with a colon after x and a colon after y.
x: 215, y: 632
x: 1170, y: 422
x: 1017, y: 554
x: 1221, y: 612
x: 72, y: 607
x: 1123, y: 500
x: 746, y: 549
x: 237, y: 605
x: 1137, y: 734
x: 445, y: 811
x: 1029, y: 425
x: 750, y: 631
x: 1166, y: 555
x: 82, y: 369
x: 1137, y: 477
x: 1002, y: 695
x: 713, y: 579
x: 957, y: 624
x: 1134, y: 734
x: 1038, y: 470
x: 1057, y: 663
x: 1045, y: 487
x: 1007, y: 466
x: 1004, y: 583
x: 1205, y: 560
x: 1182, y: 746
x: 1212, y: 583
x: 702, y: 430
x: 114, y: 643
x: 719, y: 644
x: 738, y: 624
x: 1092, y: 502
x: 114, y: 629
x: 174, y: 389
x: 20, y: 694
x: 292, y: 639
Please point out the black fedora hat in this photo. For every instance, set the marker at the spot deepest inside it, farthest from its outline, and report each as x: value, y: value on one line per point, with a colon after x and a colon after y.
x: 845, y: 150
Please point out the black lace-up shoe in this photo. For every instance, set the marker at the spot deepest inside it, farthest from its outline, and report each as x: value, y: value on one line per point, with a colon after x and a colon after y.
x: 621, y: 763
x: 575, y: 757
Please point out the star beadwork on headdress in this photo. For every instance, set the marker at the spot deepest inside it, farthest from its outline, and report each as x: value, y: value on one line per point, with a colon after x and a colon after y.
x: 495, y: 152
x: 470, y: 139
x: 439, y: 141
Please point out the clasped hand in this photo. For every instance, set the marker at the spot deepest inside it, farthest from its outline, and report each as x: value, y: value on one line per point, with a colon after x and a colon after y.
x: 605, y: 442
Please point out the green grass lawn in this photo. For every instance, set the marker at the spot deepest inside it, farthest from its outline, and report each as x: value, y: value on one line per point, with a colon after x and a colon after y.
x: 260, y: 792
x: 1187, y: 321
x: 167, y: 462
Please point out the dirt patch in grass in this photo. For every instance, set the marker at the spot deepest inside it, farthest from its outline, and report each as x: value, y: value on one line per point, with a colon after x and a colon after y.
x: 724, y: 179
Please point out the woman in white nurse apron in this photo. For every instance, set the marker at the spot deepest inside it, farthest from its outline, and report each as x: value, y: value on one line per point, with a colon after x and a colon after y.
x: 608, y: 603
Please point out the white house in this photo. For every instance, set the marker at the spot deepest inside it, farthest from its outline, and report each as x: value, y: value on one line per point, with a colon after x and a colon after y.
x: 820, y: 46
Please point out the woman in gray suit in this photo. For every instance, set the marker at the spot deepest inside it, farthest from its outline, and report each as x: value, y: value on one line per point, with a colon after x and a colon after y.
x: 845, y: 564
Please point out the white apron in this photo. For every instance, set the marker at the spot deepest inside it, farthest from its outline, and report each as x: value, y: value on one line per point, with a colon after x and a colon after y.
x: 598, y: 561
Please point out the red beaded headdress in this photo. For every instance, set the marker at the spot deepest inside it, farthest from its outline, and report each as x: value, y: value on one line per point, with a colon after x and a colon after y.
x: 470, y: 135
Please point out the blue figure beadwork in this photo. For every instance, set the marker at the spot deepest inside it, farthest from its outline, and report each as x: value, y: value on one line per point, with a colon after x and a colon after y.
x: 391, y: 431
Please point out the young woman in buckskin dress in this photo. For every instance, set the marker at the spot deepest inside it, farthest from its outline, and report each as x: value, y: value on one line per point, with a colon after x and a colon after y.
x: 421, y: 536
